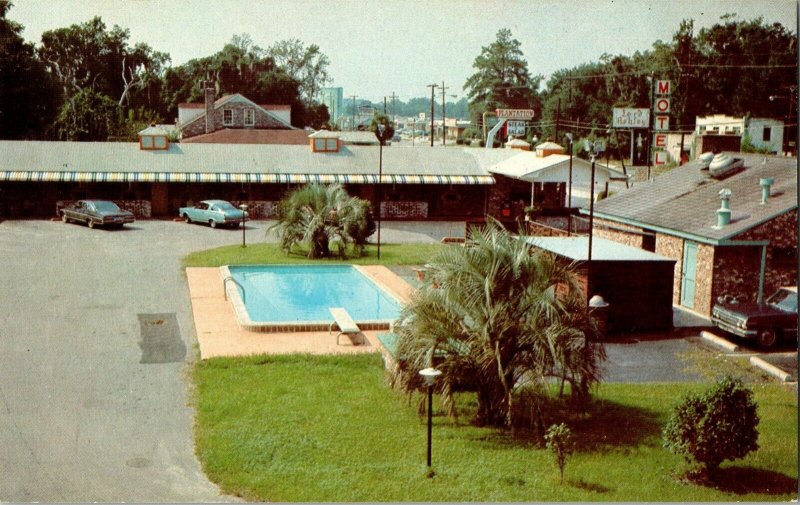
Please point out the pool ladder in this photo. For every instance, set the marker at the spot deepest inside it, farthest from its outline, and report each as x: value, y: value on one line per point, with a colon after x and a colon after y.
x: 225, y: 288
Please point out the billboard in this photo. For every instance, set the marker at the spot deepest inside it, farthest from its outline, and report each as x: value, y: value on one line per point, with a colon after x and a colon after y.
x: 630, y: 118
x: 516, y: 128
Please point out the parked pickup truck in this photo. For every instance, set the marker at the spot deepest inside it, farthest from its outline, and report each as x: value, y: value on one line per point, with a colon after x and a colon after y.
x: 214, y: 212
x: 96, y: 213
x: 766, y: 322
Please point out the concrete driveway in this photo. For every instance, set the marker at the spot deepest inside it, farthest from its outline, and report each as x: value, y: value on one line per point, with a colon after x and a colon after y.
x: 95, y: 337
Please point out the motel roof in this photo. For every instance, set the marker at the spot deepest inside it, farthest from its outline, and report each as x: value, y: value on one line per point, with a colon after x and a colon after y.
x: 684, y: 201
x: 255, y: 163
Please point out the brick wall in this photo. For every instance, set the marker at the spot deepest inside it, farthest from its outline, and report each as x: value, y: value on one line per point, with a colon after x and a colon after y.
x: 672, y: 247
x: 704, y: 276
x: 259, y: 209
x: 602, y: 228
x: 736, y: 271
x: 262, y: 120
x: 537, y: 229
x: 404, y: 210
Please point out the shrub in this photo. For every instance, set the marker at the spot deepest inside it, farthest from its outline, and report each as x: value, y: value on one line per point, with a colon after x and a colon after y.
x: 715, y: 426
x: 559, y: 441
x: 460, y: 141
x: 482, y: 143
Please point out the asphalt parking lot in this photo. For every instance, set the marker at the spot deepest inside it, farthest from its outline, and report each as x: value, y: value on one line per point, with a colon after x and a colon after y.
x: 95, y: 336
x: 96, y: 332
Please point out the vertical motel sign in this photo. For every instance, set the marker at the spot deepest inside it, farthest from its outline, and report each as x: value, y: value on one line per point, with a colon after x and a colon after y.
x: 661, y: 109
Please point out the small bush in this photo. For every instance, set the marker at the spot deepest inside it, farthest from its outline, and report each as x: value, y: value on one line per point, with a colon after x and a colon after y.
x: 459, y: 141
x: 715, y: 426
x: 482, y: 143
x: 559, y: 441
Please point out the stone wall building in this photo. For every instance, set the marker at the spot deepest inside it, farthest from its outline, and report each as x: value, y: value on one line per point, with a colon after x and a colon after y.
x: 735, y: 235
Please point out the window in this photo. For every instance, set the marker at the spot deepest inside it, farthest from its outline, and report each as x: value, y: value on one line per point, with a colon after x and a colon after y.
x: 249, y: 117
x: 325, y: 145
x: 227, y: 117
x: 767, y: 136
x: 147, y: 142
x: 159, y: 142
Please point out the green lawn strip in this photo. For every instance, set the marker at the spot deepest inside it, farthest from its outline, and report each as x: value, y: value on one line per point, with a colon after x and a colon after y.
x: 327, y: 428
x: 391, y: 254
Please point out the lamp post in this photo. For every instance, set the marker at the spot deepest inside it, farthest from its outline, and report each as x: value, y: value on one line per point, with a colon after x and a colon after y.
x: 594, y: 149
x: 243, y: 207
x: 383, y: 133
x: 430, y: 375
x: 569, y: 188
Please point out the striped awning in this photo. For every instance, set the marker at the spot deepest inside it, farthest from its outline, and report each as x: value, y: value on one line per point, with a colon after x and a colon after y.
x: 254, y: 178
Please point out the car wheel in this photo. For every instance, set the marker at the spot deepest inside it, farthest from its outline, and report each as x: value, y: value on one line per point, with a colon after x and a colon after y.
x: 64, y: 218
x: 767, y: 338
x: 212, y: 223
x: 187, y: 218
x: 90, y: 223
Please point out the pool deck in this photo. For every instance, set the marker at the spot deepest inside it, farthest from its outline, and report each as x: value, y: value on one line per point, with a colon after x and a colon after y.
x: 218, y: 333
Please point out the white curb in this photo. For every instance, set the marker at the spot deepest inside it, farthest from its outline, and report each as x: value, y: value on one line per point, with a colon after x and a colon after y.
x: 719, y: 341
x: 770, y: 369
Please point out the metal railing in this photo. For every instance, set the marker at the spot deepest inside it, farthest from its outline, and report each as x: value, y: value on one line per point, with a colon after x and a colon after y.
x: 225, y: 288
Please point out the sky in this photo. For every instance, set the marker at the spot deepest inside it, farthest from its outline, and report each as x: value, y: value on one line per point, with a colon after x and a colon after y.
x: 380, y: 47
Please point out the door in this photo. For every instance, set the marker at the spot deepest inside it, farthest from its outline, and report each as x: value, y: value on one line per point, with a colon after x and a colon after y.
x: 689, y: 274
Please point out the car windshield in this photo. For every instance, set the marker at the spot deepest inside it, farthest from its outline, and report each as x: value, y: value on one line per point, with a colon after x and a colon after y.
x: 225, y: 206
x: 784, y: 300
x: 106, y: 207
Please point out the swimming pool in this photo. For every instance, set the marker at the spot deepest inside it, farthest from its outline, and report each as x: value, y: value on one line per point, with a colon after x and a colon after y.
x: 297, y: 297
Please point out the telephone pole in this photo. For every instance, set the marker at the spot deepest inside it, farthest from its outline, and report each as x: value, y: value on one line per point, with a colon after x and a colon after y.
x: 433, y: 87
x: 353, y: 124
x: 444, y: 116
x: 394, y: 118
x: 384, y: 106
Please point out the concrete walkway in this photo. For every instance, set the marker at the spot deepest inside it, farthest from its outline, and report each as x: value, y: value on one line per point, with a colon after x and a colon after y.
x: 218, y: 333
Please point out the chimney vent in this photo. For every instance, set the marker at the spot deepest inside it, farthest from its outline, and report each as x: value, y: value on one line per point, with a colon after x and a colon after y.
x: 724, y: 211
x: 766, y: 185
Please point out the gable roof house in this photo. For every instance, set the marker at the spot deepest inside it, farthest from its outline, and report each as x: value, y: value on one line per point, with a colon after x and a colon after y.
x: 731, y: 234
x: 235, y: 119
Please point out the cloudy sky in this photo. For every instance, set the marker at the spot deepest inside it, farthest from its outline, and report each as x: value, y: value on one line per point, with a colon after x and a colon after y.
x: 377, y: 47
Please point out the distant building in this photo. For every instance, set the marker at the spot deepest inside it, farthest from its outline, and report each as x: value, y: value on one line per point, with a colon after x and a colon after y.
x: 333, y: 99
x: 766, y: 134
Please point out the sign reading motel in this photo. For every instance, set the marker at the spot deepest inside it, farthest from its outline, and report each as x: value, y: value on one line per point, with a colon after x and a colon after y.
x: 514, y: 113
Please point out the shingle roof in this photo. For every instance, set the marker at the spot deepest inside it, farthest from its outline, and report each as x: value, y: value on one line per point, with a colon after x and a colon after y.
x: 251, y: 136
x: 686, y: 199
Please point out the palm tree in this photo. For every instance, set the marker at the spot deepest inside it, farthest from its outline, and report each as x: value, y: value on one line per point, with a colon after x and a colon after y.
x: 496, y: 317
x: 318, y: 215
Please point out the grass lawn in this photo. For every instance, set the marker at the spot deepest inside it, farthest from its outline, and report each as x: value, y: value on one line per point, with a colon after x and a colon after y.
x: 259, y: 253
x: 327, y: 428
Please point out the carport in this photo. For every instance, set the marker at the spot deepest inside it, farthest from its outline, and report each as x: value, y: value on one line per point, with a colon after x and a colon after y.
x: 636, y: 283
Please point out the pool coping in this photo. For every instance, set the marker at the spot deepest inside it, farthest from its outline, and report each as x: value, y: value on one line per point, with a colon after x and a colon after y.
x: 246, y: 323
x: 219, y: 334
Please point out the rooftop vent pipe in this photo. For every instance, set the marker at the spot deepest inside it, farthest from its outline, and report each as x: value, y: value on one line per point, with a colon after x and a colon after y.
x: 724, y: 211
x: 766, y: 184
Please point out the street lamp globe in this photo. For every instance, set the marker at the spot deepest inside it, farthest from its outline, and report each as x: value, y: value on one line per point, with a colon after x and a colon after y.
x: 430, y: 375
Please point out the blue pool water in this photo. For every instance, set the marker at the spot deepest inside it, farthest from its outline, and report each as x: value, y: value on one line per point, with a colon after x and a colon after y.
x: 293, y: 294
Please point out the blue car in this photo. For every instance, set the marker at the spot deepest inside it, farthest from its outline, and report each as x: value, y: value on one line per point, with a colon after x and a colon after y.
x: 214, y: 212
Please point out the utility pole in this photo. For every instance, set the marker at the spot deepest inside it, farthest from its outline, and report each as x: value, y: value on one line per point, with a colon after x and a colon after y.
x: 394, y: 109
x: 384, y: 106
x: 558, y: 115
x: 444, y: 115
x: 353, y: 124
x: 433, y: 87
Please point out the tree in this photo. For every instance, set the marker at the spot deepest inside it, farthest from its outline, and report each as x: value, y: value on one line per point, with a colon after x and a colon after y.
x: 497, y: 317
x: 318, y: 215
x: 26, y: 110
x: 308, y: 65
x: 715, y: 426
x: 89, y: 116
x: 502, y: 78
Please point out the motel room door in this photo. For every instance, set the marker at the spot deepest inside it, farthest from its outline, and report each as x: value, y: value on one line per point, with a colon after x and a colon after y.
x: 688, y: 274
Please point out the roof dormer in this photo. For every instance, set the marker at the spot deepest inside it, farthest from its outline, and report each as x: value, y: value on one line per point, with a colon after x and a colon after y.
x: 153, y: 138
x: 324, y: 141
